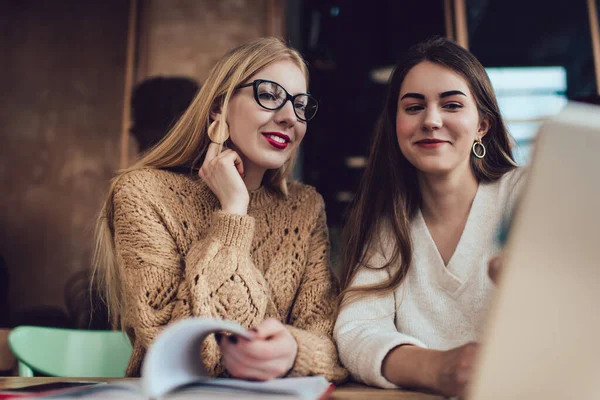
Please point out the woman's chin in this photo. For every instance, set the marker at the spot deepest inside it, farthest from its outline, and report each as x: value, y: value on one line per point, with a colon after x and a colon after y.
x: 434, y: 169
x: 270, y: 162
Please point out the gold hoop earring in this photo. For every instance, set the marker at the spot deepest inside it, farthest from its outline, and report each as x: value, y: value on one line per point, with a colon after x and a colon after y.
x: 478, y: 143
x: 218, y: 133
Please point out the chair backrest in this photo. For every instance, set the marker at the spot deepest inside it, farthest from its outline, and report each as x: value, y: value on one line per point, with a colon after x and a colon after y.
x: 70, y: 352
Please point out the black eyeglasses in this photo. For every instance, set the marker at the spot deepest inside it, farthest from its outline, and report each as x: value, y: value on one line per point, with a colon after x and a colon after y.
x: 272, y: 96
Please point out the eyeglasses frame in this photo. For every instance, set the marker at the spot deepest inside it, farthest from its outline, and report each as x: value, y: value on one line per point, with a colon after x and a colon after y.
x: 255, y: 83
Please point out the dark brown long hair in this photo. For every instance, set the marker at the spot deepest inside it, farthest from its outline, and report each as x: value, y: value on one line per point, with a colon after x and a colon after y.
x: 389, y: 194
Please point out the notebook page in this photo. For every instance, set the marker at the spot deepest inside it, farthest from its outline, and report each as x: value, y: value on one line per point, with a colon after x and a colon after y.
x: 174, y: 359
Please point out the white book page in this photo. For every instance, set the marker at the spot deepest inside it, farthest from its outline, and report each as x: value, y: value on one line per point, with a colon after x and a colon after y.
x: 173, y: 369
x: 174, y: 359
x: 302, y: 388
x: 124, y: 390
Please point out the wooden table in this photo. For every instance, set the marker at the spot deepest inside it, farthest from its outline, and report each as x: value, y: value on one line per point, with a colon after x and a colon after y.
x: 348, y: 391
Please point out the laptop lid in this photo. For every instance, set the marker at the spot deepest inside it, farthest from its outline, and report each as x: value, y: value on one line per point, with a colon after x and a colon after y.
x: 542, y: 339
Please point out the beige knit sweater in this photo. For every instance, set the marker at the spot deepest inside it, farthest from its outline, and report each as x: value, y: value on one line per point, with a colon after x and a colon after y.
x: 180, y: 256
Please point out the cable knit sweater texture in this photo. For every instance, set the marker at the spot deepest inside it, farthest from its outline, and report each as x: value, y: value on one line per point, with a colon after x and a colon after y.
x: 180, y: 256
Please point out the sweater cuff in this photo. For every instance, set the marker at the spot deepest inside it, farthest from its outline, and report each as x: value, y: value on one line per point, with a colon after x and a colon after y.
x: 303, y: 361
x: 375, y: 351
x: 315, y: 358
x: 233, y: 230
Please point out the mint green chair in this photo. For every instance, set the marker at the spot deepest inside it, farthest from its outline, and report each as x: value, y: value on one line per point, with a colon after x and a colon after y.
x: 70, y: 352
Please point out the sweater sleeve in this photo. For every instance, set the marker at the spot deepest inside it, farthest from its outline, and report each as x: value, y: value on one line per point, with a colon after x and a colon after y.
x: 215, y: 278
x: 313, y: 313
x: 365, y: 330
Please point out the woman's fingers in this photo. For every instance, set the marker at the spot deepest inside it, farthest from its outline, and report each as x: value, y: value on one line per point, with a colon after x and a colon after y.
x: 272, y: 340
x: 264, y: 350
x: 270, y: 354
x: 267, y: 328
x: 242, y: 364
x: 223, y: 173
x: 211, y: 153
x: 229, y: 157
x: 455, y: 370
x: 465, y: 365
x: 240, y: 370
x: 495, y: 268
x: 241, y: 367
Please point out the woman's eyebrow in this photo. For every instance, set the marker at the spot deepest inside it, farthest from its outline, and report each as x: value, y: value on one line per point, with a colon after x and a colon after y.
x: 451, y: 93
x: 414, y: 96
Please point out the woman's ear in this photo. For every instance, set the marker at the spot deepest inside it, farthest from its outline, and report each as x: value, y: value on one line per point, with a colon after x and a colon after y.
x: 215, y: 114
x: 484, y: 127
x: 216, y: 110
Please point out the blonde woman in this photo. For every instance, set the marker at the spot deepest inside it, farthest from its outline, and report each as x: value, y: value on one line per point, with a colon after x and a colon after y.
x: 206, y: 224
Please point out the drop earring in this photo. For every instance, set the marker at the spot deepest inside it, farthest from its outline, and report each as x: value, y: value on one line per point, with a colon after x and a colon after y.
x: 478, y: 149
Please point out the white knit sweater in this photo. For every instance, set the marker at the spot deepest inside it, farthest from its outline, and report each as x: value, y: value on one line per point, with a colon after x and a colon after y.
x: 438, y: 306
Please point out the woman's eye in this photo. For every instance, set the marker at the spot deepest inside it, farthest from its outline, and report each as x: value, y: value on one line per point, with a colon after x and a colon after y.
x: 300, y: 106
x: 267, y: 96
x: 453, y: 106
x: 414, y: 108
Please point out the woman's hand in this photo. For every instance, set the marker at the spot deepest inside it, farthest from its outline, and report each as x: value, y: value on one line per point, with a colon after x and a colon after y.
x: 455, y: 368
x: 223, y: 174
x: 495, y: 267
x: 270, y: 355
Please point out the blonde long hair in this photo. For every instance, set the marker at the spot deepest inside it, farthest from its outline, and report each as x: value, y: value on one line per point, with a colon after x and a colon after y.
x: 186, y: 145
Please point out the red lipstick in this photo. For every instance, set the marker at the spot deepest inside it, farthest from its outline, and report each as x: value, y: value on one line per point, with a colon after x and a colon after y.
x: 277, y: 139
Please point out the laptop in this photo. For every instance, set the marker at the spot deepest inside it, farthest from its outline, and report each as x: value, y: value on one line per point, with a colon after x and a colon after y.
x: 542, y: 338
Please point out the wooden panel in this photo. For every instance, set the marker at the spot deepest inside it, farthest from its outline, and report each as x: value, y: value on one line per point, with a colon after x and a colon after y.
x: 595, y: 33
x: 187, y: 37
x: 460, y: 14
x: 60, y: 116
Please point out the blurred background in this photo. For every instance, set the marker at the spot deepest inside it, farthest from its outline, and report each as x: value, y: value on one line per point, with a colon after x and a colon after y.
x: 84, y: 85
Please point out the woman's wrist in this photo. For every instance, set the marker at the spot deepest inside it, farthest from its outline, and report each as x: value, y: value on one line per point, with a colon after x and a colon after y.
x: 236, y: 209
x: 412, y: 366
x: 235, y: 203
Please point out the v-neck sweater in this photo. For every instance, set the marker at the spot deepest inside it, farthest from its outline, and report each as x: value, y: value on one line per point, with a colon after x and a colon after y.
x: 437, y: 306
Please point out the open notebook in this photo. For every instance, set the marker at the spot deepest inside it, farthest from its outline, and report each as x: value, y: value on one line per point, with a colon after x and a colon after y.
x: 173, y: 369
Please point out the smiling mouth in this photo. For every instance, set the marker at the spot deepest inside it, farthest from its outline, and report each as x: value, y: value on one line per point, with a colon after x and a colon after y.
x: 278, y: 137
x: 278, y: 140
x: 430, y: 144
x: 431, y: 141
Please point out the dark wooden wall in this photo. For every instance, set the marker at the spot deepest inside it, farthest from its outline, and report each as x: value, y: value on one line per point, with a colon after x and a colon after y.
x: 61, y: 90
x: 62, y: 76
x: 187, y: 37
